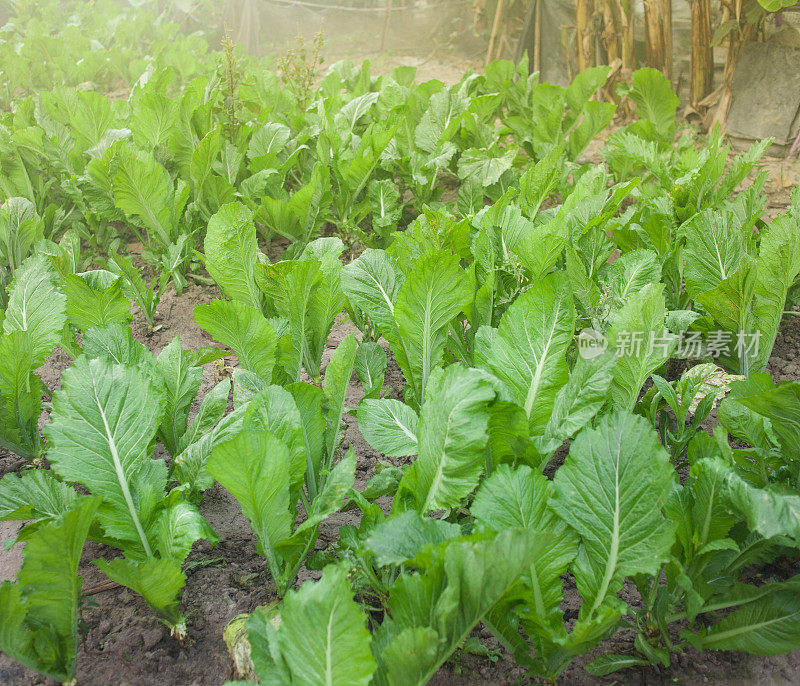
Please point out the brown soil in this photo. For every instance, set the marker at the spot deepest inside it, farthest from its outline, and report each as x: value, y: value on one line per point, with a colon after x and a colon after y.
x: 125, y: 643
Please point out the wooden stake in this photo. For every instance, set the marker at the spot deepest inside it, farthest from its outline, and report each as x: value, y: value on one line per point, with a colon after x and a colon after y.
x: 386, y: 23
x: 537, y: 38
x: 498, y: 13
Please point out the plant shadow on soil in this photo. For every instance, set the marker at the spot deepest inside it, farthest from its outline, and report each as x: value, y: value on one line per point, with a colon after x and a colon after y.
x: 126, y: 644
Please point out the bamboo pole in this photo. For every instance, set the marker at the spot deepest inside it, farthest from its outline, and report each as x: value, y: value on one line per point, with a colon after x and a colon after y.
x: 537, y: 38
x: 498, y: 13
x: 702, y: 59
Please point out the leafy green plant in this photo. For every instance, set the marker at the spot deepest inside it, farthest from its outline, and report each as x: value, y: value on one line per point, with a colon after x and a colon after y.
x: 31, y: 328
x: 111, y: 413
x: 286, y: 452
x: 39, y: 613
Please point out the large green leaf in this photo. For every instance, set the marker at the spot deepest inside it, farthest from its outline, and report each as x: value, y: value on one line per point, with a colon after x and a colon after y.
x: 254, y: 467
x: 389, y: 426
x: 641, y: 343
x: 232, y: 253
x: 143, y: 190
x: 519, y: 499
x: 778, y: 267
x: 655, y: 101
x: 434, y: 610
x: 20, y: 395
x: 610, y: 489
x: 308, y: 294
x: 399, y: 539
x: 96, y: 298
x: 433, y: 294
x: 39, y: 614
x: 243, y: 329
x: 452, y: 440
x: 714, y: 248
x: 35, y: 495
x: 177, y: 377
x: 372, y: 283
x: 35, y: 305
x: 157, y: 580
x: 274, y: 409
x: 103, y: 422
x: 528, y: 353
x: 769, y: 626
x: 322, y: 636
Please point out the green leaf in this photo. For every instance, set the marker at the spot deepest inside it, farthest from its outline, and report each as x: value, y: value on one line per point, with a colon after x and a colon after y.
x: 513, y: 499
x: 39, y: 614
x: 610, y: 489
x: 307, y: 293
x: 641, y: 343
x: 434, y: 610
x: 452, y: 440
x: 274, y: 409
x: 254, y: 468
x: 372, y: 283
x: 243, y: 329
x: 610, y: 663
x: 768, y: 626
x: 779, y: 404
x: 580, y: 399
x: 143, y: 190
x: 203, y: 158
x: 177, y: 528
x: 632, y: 272
x: 35, y: 495
x: 389, y: 426
x: 400, y: 539
x: 96, y: 298
x: 177, y: 377
x: 529, y: 352
x: 158, y: 580
x: 36, y: 306
x: 116, y: 342
x: 778, y: 267
x: 323, y: 635
x: 519, y: 499
x: 232, y: 254
x: 20, y: 395
x: 539, y: 181
x: 103, y: 422
x: 212, y: 409
x: 435, y: 291
x: 714, y: 248
x: 769, y: 512
x: 485, y: 165
x: 655, y: 101
x: 370, y: 366
x: 384, y: 199
x: 299, y: 217
x: 337, y: 380
x: 20, y: 229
